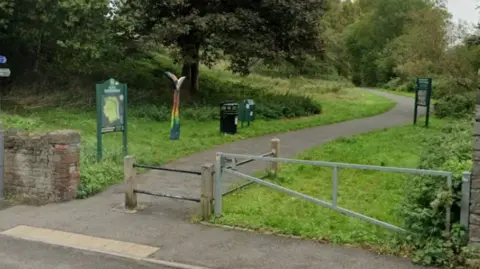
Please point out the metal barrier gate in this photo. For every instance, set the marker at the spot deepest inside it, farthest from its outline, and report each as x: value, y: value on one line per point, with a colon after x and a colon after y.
x: 207, y: 181
x: 171, y: 196
x: 130, y: 182
x: 221, y: 168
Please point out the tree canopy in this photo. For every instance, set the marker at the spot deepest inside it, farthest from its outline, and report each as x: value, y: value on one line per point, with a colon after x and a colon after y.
x: 370, y: 42
x: 244, y: 31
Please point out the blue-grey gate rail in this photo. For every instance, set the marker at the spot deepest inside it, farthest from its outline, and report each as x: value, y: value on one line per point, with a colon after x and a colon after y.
x: 221, y: 168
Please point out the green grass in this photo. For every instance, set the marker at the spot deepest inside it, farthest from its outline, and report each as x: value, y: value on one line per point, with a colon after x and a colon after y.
x: 403, y: 93
x: 376, y: 194
x: 149, y: 139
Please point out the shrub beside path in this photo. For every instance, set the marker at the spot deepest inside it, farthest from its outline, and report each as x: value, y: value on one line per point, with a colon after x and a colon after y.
x: 166, y: 223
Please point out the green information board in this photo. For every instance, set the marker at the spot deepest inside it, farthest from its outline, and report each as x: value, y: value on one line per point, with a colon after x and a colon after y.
x: 111, y: 112
x: 423, y: 95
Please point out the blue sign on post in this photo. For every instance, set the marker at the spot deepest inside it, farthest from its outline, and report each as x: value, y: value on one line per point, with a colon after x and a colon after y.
x: 3, y: 59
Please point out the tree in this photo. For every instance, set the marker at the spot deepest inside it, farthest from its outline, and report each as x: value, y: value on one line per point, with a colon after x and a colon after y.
x: 242, y: 30
x: 366, y: 39
x: 338, y: 15
x: 56, y: 36
x: 420, y: 49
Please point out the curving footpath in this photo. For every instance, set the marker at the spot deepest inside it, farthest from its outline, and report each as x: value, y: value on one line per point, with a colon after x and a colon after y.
x: 165, y: 223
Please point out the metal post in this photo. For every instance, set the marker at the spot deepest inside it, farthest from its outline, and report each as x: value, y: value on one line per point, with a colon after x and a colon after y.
x: 218, y: 184
x: 125, y: 121
x: 99, y: 100
x: 335, y: 186
x: 3, y: 60
x: 415, y: 110
x: 2, y: 164
x: 465, y: 203
x: 429, y: 96
x: 449, y: 207
x: 206, y: 196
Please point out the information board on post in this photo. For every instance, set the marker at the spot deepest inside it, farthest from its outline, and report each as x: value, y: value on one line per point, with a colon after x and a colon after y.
x: 111, y: 112
x: 423, y: 95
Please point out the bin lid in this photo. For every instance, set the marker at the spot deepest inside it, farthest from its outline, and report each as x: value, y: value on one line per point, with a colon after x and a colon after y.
x: 228, y: 103
x: 229, y: 106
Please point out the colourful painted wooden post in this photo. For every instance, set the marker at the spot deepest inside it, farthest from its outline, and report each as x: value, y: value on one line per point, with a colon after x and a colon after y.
x: 175, y: 118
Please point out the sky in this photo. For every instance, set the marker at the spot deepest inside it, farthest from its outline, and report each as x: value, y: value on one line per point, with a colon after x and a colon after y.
x: 464, y: 10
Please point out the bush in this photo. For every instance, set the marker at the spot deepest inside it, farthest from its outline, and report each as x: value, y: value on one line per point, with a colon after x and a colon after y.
x: 309, y: 67
x: 163, y: 112
x: 393, y: 84
x: 443, y: 87
x: 427, y: 197
x: 150, y: 95
x: 95, y: 176
x: 456, y: 105
x: 398, y: 84
x: 206, y: 104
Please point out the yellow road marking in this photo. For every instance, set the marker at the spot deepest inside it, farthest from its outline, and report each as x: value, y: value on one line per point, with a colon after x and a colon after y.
x: 80, y: 241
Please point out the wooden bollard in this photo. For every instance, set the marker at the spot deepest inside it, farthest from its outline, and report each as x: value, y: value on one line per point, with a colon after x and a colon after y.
x: 130, y: 182
x: 273, y: 166
x: 206, y: 198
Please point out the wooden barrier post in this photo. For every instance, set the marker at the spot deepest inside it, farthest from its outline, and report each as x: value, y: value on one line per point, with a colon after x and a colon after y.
x: 130, y: 182
x: 206, y: 198
x: 273, y: 166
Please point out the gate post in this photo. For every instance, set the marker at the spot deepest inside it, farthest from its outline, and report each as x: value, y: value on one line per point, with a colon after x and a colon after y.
x: 206, y: 197
x: 273, y: 166
x: 465, y: 202
x: 130, y: 182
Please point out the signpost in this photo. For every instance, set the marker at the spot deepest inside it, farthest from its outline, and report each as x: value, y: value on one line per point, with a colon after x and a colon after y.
x: 111, y: 112
x: 423, y: 95
x: 4, y: 72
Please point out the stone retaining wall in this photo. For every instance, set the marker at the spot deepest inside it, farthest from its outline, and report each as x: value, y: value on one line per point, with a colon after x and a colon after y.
x: 42, y: 168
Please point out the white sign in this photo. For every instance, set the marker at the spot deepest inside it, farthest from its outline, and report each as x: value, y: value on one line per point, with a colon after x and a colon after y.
x: 422, y: 97
x: 5, y: 72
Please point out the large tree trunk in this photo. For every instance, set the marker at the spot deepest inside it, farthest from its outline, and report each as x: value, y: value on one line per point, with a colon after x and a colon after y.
x: 194, y: 72
x: 191, y: 63
x: 190, y: 71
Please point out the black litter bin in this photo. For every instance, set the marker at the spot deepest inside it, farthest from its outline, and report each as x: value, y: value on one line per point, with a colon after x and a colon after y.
x: 228, y: 117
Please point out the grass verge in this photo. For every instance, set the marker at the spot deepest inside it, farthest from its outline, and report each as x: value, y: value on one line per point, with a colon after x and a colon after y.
x: 375, y: 194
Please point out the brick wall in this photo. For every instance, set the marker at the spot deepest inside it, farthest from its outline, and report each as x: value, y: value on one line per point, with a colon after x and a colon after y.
x: 42, y: 168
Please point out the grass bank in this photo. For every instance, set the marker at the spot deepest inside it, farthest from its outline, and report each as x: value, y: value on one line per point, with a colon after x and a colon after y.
x: 279, y: 100
x: 375, y: 194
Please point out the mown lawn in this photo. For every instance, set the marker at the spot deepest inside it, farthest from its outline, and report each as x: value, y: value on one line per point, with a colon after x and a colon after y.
x: 376, y: 194
x: 149, y: 139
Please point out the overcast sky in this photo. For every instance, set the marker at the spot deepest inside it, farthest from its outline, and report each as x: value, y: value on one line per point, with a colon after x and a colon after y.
x: 464, y: 10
